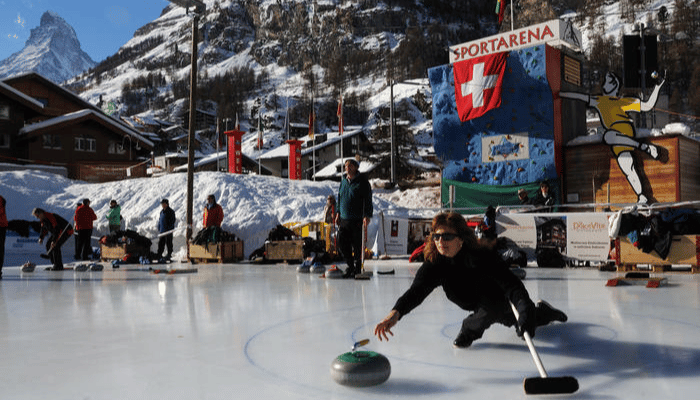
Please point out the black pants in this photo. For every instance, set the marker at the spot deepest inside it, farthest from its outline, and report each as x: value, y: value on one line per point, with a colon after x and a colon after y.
x: 488, y: 314
x: 165, y: 242
x: 55, y: 254
x: 83, y: 240
x: 484, y: 316
x: 350, y: 243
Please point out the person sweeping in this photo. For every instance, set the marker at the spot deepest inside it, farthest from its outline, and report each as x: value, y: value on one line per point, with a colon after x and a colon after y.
x: 475, y: 278
x: 59, y: 230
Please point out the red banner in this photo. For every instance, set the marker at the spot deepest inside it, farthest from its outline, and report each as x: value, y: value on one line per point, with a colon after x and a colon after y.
x: 294, y: 159
x: 235, y: 155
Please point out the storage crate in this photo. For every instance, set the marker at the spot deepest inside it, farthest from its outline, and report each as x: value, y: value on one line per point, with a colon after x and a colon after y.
x: 284, y: 250
x: 225, y: 252
x: 684, y: 251
x: 317, y: 231
x: 118, y: 252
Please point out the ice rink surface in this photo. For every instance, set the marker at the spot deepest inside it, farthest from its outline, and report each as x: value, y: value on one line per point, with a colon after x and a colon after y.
x: 247, y: 331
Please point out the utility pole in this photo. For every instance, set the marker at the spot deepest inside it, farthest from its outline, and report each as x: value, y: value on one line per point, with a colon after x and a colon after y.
x: 199, y: 9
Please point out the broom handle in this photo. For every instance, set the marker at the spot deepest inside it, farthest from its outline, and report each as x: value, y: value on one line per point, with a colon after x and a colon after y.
x: 530, y: 345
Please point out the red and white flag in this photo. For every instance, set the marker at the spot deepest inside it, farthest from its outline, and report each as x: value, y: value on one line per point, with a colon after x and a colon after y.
x: 340, y: 116
x: 311, y: 125
x: 478, y: 84
x: 260, y: 133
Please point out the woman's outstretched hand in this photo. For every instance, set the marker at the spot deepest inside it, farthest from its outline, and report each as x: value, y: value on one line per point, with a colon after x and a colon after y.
x: 385, y: 325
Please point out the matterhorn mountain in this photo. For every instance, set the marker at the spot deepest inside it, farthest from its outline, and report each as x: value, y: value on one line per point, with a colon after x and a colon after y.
x: 52, y: 50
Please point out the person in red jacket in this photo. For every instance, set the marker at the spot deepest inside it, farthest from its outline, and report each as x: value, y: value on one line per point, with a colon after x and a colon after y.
x: 3, y: 232
x: 84, y: 217
x: 60, y: 231
x: 213, y: 213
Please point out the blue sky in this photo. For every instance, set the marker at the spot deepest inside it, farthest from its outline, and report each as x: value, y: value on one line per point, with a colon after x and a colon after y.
x: 102, y: 26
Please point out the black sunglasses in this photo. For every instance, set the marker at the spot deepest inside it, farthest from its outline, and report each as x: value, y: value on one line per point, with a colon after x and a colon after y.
x: 444, y: 236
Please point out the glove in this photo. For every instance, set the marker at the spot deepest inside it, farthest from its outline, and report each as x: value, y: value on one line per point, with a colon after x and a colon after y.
x: 527, y: 322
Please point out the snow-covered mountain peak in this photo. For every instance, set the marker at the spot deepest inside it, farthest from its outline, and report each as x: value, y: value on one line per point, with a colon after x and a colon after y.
x: 53, y: 50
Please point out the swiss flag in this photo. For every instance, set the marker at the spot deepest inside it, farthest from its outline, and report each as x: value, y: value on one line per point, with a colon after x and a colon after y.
x: 478, y: 84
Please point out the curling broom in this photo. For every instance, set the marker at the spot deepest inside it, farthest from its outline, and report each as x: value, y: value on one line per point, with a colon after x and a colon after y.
x: 544, y: 384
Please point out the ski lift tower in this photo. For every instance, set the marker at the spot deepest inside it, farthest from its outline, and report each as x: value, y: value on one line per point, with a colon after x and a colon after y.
x: 199, y: 8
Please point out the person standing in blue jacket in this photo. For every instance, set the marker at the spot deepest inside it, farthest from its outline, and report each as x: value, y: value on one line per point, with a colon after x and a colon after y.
x: 166, y: 224
x: 354, y: 213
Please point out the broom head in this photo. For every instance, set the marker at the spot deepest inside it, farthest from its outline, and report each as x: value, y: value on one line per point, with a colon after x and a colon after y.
x: 549, y: 385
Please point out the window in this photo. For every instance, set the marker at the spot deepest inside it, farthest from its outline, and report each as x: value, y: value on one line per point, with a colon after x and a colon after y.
x: 5, y: 141
x: 51, y: 142
x: 4, y: 111
x: 115, y: 148
x: 85, y: 144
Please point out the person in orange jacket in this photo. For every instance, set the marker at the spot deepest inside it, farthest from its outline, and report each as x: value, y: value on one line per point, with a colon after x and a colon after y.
x: 60, y: 231
x: 213, y: 213
x: 84, y: 217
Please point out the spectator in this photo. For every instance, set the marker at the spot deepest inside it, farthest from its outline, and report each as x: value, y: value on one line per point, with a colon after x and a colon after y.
x: 166, y: 225
x: 544, y: 197
x: 329, y: 210
x: 490, y: 223
x: 523, y: 197
x: 354, y: 212
x: 84, y: 217
x: 114, y: 216
x: 76, y: 242
x: 213, y: 213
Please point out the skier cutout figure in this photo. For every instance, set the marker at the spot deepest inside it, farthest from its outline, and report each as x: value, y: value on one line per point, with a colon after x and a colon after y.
x: 620, y: 133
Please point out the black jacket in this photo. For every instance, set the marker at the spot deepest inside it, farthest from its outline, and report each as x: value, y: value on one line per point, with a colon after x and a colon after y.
x: 469, y: 280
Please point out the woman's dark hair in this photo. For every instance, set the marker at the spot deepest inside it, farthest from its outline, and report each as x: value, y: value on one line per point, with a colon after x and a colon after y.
x: 453, y: 221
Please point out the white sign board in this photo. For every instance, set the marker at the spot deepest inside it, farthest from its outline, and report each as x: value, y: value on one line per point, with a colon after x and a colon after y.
x: 587, y: 236
x: 395, y: 235
x: 579, y: 236
x: 555, y: 33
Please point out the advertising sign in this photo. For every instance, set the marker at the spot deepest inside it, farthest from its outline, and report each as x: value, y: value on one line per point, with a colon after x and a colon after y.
x: 554, y: 32
x: 396, y: 235
x: 578, y: 236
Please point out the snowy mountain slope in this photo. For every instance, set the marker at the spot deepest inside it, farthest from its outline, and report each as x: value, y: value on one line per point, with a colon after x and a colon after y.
x: 53, y: 50
x: 283, y: 44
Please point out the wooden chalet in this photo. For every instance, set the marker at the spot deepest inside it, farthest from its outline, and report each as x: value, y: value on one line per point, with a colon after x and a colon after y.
x: 323, y: 150
x: 47, y: 124
x: 593, y: 176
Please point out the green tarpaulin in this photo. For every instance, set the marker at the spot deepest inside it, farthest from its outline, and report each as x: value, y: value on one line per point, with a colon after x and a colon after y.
x: 473, y: 198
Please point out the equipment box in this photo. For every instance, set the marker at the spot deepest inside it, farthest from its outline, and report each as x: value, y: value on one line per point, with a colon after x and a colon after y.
x: 118, y: 252
x: 684, y: 250
x: 217, y: 252
x: 284, y: 250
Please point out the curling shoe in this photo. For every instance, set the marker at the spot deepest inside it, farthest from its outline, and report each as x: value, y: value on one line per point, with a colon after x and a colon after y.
x: 546, y: 313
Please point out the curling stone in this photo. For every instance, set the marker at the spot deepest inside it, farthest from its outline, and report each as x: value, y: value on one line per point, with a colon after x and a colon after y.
x: 96, y: 267
x: 360, y: 369
x: 318, y: 268
x: 81, y: 268
x: 28, y: 267
x: 304, y: 268
x: 334, y: 273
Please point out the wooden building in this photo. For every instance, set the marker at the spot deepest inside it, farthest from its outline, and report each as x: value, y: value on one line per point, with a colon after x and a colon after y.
x: 319, y: 153
x: 593, y: 176
x: 46, y: 124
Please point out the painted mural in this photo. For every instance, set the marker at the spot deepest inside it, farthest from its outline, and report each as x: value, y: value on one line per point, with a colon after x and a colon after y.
x: 620, y: 133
